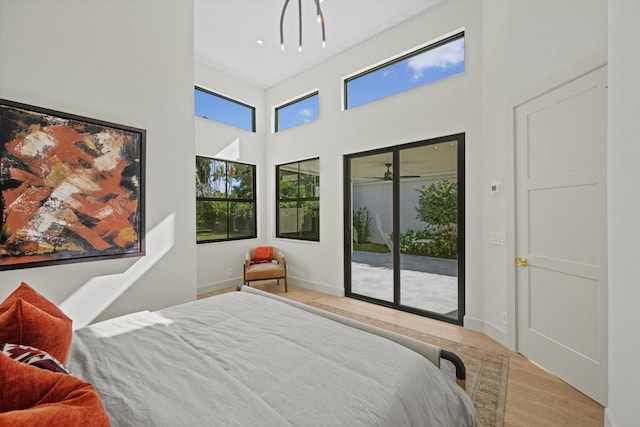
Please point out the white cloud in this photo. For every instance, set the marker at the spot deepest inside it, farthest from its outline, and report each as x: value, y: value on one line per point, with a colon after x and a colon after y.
x: 441, y: 57
x: 305, y: 114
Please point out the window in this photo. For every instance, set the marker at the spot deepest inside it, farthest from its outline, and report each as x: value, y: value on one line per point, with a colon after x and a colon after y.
x: 426, y: 65
x: 225, y: 200
x: 298, y: 200
x: 221, y: 109
x: 298, y: 112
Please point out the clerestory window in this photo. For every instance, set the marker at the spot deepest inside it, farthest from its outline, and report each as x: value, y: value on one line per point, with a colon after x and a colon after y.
x: 436, y: 61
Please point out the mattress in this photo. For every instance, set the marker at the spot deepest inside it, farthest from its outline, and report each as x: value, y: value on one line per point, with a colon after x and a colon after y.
x: 242, y: 359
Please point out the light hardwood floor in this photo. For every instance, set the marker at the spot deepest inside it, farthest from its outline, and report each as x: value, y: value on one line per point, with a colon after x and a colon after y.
x: 534, y: 396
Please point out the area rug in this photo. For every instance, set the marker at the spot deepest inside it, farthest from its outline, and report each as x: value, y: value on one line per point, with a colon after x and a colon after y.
x: 486, y: 371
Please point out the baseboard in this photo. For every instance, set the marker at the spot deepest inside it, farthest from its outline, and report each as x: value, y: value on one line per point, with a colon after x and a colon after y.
x: 486, y: 328
x: 314, y: 286
x: 497, y: 334
x: 205, y: 289
x: 473, y: 324
x: 608, y: 418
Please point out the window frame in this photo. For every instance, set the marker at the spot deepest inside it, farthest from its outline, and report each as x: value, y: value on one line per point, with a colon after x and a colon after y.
x: 277, y: 108
x: 230, y: 200
x: 298, y: 200
x: 456, y: 35
x: 235, y: 101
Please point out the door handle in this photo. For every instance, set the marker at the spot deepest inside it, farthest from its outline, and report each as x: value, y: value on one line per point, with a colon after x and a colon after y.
x: 521, y: 262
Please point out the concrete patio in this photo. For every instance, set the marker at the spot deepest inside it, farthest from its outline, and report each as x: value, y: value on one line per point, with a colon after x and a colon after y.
x: 426, y: 283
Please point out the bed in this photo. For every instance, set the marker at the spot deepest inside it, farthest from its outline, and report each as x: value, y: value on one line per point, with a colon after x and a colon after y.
x: 249, y: 358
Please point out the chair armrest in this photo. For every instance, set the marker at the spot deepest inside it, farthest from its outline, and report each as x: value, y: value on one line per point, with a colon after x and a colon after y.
x: 247, y: 260
x: 279, y: 256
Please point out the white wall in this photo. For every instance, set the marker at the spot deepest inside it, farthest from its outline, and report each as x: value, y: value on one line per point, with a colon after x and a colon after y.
x: 221, y: 141
x: 529, y: 46
x: 122, y: 62
x: 623, y: 213
x: 446, y: 107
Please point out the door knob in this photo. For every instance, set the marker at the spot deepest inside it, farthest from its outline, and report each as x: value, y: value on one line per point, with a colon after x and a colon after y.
x: 521, y: 262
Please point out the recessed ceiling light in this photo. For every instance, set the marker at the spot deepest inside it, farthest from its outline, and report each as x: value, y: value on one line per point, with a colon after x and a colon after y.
x: 260, y: 41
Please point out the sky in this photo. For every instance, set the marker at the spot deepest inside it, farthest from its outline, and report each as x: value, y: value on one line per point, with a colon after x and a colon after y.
x: 223, y: 110
x: 430, y: 66
x: 301, y: 112
x: 435, y: 64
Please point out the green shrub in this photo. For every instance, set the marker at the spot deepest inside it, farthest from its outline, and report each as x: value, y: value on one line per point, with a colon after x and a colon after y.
x: 438, y: 208
x: 436, y: 244
x: 371, y: 247
x: 362, y: 224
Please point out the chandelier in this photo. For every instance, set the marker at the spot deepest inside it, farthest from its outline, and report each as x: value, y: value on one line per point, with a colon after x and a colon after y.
x: 319, y: 16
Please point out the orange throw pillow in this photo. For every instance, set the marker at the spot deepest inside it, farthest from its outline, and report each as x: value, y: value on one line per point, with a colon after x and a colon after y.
x: 31, y: 396
x: 28, y: 318
x: 263, y: 254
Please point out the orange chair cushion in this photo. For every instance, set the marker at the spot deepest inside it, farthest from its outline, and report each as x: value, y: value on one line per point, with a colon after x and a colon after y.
x: 28, y: 318
x: 31, y: 396
x: 264, y: 271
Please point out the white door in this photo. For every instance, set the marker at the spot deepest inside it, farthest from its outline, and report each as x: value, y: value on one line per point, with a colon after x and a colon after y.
x: 561, y: 232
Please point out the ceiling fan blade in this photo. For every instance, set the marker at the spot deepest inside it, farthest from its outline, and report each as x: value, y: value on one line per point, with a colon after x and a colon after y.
x: 388, y: 176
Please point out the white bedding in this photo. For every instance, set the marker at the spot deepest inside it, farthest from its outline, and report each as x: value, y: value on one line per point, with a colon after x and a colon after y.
x: 240, y: 359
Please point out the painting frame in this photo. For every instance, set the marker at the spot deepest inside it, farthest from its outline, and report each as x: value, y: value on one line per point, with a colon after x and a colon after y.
x: 72, y: 188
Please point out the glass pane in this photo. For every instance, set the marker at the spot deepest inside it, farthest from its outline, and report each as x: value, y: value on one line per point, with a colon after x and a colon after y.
x: 210, y: 177
x: 372, y: 225
x: 220, y: 109
x: 297, y: 113
x: 310, y: 228
x: 290, y: 219
x: 310, y: 178
x: 308, y: 185
x: 211, y: 221
x: 288, y: 181
x: 240, y: 180
x: 241, y: 220
x: 428, y: 228
x: 423, y: 68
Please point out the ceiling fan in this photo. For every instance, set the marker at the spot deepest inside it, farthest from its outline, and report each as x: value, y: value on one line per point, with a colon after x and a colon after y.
x: 388, y: 175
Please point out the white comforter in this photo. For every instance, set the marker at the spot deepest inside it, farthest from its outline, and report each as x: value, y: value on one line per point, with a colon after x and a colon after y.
x: 240, y: 359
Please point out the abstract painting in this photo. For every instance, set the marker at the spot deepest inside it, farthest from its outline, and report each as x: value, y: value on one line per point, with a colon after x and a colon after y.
x: 71, y: 188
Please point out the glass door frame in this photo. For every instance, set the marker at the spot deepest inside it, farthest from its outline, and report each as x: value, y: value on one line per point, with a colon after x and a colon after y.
x: 348, y: 217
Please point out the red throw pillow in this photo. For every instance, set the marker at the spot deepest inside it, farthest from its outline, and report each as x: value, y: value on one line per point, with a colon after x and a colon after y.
x: 30, y: 396
x: 27, y: 293
x: 28, y: 318
x: 263, y: 254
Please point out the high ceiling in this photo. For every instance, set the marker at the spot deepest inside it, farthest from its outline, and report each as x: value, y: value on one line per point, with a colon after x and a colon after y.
x: 227, y: 33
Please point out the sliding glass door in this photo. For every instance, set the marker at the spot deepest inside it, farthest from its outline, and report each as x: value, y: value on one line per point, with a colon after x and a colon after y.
x: 371, y: 262
x: 404, y: 217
